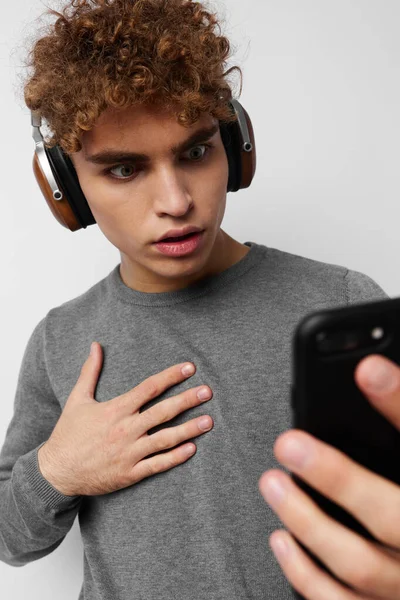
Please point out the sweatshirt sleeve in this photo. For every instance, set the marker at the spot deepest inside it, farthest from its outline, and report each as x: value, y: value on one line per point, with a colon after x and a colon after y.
x: 34, y: 516
x: 361, y: 288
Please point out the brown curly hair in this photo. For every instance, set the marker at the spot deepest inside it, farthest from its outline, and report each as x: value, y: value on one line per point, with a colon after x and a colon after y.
x: 117, y: 53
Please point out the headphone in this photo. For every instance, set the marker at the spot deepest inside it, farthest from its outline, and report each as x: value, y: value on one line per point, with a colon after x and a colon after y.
x: 58, y: 179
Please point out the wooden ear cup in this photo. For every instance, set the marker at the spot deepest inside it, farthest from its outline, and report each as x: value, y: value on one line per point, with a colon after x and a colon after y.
x: 240, y: 148
x: 61, y: 209
x: 249, y: 159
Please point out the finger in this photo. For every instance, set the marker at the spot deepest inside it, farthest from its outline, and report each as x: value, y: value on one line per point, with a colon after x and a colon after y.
x: 348, y: 555
x: 87, y: 381
x: 379, y: 380
x: 393, y: 553
x: 303, y: 574
x: 160, y: 463
x: 151, y: 388
x: 171, y: 407
x: 369, y: 497
x: 172, y: 436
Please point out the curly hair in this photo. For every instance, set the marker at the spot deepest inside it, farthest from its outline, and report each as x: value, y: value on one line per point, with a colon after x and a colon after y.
x: 119, y: 53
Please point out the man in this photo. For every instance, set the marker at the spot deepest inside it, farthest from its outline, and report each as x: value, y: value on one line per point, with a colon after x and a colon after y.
x: 101, y: 437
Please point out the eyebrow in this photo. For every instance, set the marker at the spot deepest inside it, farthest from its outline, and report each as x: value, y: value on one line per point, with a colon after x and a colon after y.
x: 111, y: 156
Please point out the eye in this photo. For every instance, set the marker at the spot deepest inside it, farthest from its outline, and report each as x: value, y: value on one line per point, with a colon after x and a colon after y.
x: 195, y: 155
x: 126, y: 171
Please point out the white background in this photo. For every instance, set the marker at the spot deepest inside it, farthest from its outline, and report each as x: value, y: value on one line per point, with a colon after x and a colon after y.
x: 321, y: 84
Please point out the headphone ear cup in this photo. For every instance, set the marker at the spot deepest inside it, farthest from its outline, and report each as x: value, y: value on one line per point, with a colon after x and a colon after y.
x: 67, y: 178
x: 241, y: 156
x: 248, y: 158
x: 231, y: 144
x: 60, y: 208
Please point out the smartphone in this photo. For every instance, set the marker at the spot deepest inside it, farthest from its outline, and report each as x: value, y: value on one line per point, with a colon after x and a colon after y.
x: 327, y: 403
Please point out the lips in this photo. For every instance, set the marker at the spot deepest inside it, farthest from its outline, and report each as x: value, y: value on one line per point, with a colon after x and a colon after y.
x: 183, y: 247
x: 178, y: 238
x: 175, y: 234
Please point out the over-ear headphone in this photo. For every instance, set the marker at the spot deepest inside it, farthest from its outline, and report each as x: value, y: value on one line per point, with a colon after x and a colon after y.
x: 58, y: 179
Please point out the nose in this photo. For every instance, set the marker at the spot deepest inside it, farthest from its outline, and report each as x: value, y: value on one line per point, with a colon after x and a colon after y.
x: 172, y: 194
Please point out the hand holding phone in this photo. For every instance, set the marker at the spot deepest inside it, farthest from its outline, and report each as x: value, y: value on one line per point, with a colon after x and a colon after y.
x: 327, y: 402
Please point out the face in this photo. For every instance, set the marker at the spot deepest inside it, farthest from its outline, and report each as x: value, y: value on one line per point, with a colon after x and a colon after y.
x: 174, y: 183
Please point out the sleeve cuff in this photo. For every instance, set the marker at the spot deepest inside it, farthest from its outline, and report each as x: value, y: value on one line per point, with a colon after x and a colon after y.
x: 27, y: 470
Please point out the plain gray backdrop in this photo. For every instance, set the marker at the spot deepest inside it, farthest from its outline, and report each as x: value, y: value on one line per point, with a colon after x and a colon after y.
x: 321, y: 84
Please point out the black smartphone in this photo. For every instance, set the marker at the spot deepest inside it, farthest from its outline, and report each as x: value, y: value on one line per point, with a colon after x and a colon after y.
x: 327, y: 403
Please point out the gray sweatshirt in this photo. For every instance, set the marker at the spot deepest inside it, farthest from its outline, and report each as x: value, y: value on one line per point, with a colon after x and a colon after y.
x: 200, y: 530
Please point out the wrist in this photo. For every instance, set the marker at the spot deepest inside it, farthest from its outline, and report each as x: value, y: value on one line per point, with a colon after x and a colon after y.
x: 48, y: 470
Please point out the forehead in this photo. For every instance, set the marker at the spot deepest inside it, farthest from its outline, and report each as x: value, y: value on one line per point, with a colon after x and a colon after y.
x: 141, y: 128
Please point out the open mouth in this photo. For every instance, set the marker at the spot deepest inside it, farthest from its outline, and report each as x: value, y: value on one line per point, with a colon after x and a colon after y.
x: 182, y: 237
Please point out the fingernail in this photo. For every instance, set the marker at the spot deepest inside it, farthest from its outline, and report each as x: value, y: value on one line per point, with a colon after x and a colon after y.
x: 382, y: 376
x: 274, y: 491
x: 203, y: 393
x: 188, y: 369
x: 295, y: 452
x: 205, y: 423
x: 280, y: 547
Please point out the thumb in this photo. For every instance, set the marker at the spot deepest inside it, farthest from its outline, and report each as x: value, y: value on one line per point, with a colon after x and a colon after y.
x: 86, y: 385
